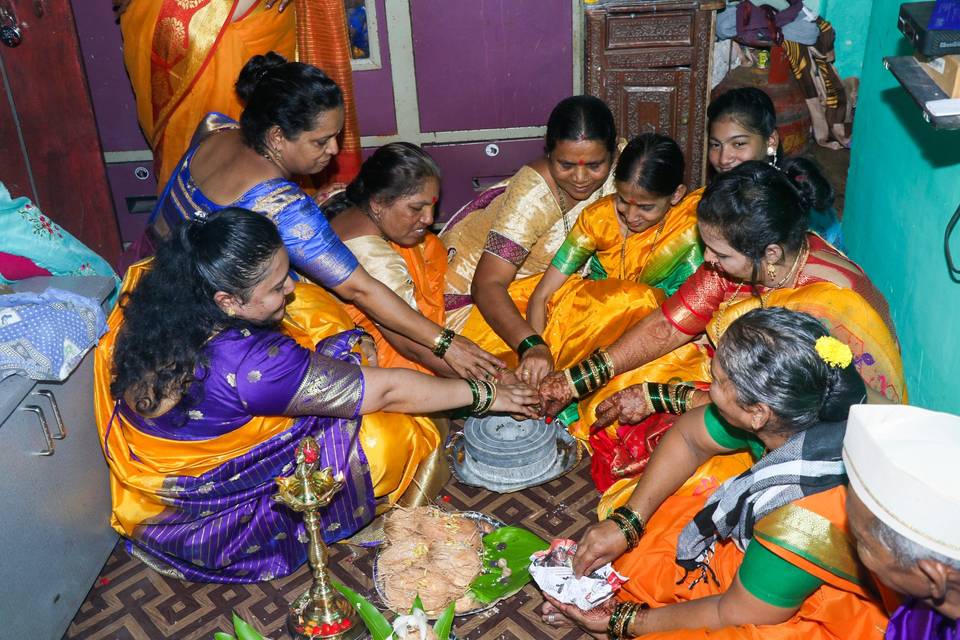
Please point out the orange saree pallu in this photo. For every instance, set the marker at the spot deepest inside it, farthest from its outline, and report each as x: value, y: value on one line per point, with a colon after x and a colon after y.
x: 184, y: 57
x: 416, y: 274
x: 810, y: 533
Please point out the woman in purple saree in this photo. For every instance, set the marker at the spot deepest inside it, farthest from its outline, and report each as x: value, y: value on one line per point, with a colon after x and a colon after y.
x: 202, y: 397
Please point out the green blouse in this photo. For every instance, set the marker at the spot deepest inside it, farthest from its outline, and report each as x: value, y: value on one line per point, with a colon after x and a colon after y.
x: 763, y: 573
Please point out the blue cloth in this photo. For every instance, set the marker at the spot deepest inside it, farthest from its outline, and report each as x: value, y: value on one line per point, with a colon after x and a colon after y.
x: 315, y: 250
x: 26, y: 231
x: 826, y: 225
x: 45, y: 335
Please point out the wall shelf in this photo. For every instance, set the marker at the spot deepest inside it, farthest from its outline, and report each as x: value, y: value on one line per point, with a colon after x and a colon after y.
x: 921, y: 88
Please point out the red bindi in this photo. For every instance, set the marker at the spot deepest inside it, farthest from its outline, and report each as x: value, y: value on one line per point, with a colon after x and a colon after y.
x: 580, y: 162
x: 433, y: 200
x: 631, y: 202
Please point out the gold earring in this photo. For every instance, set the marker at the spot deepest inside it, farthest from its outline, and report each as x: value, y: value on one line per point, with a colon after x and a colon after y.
x: 771, y: 271
x: 230, y: 312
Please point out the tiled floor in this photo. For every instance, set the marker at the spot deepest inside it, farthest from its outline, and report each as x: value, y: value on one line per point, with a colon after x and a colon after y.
x: 129, y: 601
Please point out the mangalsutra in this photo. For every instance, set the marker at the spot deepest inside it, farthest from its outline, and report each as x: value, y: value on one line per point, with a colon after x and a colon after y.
x: 646, y: 261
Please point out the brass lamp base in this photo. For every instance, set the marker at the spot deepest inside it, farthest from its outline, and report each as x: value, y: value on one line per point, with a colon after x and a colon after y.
x: 309, y: 620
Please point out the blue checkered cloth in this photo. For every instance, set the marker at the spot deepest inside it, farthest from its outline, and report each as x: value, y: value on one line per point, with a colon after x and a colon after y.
x: 45, y: 335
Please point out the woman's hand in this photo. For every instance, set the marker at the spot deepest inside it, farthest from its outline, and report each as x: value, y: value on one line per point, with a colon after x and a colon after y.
x: 470, y: 361
x: 602, y: 543
x: 282, y: 4
x: 328, y: 191
x: 593, y: 622
x: 518, y: 400
x: 536, y: 363
x: 555, y: 393
x: 629, y: 406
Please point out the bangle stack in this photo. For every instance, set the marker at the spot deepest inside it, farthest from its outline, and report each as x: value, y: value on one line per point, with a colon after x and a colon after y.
x: 622, y: 618
x: 590, y: 374
x: 528, y: 343
x: 442, y: 342
x: 668, y: 398
x: 630, y: 523
x: 484, y: 393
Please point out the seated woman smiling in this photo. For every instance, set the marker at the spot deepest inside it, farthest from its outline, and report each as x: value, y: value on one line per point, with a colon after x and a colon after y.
x: 768, y: 553
x: 202, y: 397
x: 384, y: 218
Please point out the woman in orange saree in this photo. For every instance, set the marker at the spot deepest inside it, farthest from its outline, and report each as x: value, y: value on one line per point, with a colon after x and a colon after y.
x: 753, y: 223
x: 768, y: 554
x: 384, y: 218
x: 625, y: 254
x: 183, y: 59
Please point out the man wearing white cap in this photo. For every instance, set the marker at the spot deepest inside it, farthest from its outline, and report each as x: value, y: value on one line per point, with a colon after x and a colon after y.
x: 904, y: 511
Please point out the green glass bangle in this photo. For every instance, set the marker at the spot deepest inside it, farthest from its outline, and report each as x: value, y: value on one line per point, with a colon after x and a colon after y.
x: 654, y: 395
x: 443, y: 342
x: 528, y: 343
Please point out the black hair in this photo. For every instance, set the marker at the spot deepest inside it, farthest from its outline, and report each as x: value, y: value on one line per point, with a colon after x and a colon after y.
x: 654, y: 162
x: 393, y: 171
x: 289, y: 95
x: 770, y: 356
x: 755, y: 205
x: 749, y: 107
x: 807, y: 177
x: 581, y: 118
x: 171, y: 313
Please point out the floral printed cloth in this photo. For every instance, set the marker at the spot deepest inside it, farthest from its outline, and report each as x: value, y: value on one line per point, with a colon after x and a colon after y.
x: 31, y: 244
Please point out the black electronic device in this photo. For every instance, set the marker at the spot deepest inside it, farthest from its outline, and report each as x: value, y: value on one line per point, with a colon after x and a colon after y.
x: 914, y: 18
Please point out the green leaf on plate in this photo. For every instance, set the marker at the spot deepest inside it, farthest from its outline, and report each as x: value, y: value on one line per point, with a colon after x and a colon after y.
x: 376, y: 624
x: 444, y: 624
x: 220, y: 635
x: 417, y: 604
x: 519, y: 544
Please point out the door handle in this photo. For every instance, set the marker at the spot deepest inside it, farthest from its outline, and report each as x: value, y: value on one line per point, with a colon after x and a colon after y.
x: 44, y: 427
x: 10, y: 33
x: 61, y: 427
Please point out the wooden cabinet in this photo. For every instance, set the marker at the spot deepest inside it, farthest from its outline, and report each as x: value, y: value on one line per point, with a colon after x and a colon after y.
x: 55, y: 495
x: 650, y: 61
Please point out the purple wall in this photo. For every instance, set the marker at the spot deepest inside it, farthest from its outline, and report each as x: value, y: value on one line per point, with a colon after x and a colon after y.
x: 467, y: 169
x: 374, y: 88
x: 113, y: 100
x: 513, y: 62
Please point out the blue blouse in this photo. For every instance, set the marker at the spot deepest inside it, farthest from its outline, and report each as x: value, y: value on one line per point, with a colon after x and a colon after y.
x: 315, y: 250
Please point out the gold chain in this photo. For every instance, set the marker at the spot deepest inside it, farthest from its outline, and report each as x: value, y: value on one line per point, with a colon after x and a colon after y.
x: 562, y: 203
x: 646, y: 261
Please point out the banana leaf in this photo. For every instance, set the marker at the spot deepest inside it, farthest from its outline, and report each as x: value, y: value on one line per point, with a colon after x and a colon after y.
x: 244, y: 631
x: 516, y: 546
x: 444, y: 624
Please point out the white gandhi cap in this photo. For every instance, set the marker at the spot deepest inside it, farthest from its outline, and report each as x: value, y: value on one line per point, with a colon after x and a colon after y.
x: 904, y: 464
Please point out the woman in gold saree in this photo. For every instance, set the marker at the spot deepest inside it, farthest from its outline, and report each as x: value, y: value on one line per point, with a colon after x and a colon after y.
x: 625, y: 254
x: 513, y: 229
x: 753, y: 223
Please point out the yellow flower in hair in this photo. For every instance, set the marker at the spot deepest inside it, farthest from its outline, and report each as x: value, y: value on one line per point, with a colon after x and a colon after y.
x: 834, y: 352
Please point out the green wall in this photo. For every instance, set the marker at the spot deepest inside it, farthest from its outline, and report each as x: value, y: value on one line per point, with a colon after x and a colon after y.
x: 903, y: 187
x: 849, y: 19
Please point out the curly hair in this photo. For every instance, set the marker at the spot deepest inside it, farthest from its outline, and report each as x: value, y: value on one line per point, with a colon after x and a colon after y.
x: 172, y: 313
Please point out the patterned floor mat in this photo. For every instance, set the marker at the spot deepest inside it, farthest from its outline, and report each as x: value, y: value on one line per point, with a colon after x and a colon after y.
x: 129, y: 601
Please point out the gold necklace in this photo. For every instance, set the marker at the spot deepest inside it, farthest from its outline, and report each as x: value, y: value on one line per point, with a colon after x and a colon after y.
x: 646, y: 261
x: 562, y: 203
x: 723, y: 308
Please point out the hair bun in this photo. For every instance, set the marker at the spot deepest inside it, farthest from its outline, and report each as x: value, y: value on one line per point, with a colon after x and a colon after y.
x: 254, y: 71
